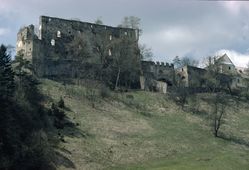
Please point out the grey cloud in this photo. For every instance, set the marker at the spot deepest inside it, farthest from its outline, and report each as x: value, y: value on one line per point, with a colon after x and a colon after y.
x: 193, y: 28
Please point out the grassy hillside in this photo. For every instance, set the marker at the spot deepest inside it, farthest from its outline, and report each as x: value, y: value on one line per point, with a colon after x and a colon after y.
x: 144, y: 130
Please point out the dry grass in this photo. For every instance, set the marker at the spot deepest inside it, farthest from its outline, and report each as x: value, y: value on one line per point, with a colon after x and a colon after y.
x: 145, y: 131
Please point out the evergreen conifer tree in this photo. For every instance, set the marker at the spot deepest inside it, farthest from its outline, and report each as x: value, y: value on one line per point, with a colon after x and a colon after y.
x: 6, y: 74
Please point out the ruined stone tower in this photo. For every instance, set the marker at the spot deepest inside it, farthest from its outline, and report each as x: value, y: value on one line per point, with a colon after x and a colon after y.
x: 25, y: 38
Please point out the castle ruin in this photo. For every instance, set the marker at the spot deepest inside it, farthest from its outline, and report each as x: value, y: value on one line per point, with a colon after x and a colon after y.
x: 72, y: 49
x: 52, y: 50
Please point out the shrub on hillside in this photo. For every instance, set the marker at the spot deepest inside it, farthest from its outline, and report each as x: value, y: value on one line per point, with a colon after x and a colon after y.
x: 180, y: 96
x: 59, y: 116
x: 91, y: 95
x: 104, y: 92
x: 61, y: 103
x: 57, y: 112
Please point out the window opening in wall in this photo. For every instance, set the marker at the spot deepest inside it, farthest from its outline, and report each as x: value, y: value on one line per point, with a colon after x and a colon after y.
x: 229, y: 68
x: 221, y: 69
x: 53, y: 42
x: 58, y: 34
x: 40, y: 32
x: 30, y: 49
x: 125, y: 33
x: 91, y: 26
x: 49, y: 19
x: 69, y: 32
x: 110, y: 52
x: 182, y: 69
x: 136, y: 33
x: 110, y: 37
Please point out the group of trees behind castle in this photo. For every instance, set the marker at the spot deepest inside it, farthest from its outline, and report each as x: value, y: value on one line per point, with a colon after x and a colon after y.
x: 116, y: 63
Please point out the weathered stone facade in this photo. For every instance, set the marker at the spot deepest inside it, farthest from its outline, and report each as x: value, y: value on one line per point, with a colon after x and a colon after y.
x: 239, y: 78
x: 189, y: 76
x: 50, y: 50
x: 157, y: 76
x: 228, y: 75
x: 225, y: 65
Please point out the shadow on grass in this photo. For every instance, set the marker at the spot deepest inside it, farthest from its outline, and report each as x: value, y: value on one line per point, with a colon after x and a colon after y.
x: 62, y: 160
x: 195, y: 111
x: 67, y: 109
x: 62, y: 129
x: 146, y: 114
x: 234, y: 139
x: 71, y: 130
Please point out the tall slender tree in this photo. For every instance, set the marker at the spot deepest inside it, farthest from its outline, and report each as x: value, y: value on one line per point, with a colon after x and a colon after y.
x: 6, y: 73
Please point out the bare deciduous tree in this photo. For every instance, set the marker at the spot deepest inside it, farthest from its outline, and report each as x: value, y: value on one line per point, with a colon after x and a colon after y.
x: 131, y: 22
x: 126, y: 63
x: 177, y: 62
x: 98, y: 21
x: 185, y: 61
x: 80, y: 47
x: 220, y: 103
x: 189, y: 61
x: 146, y: 53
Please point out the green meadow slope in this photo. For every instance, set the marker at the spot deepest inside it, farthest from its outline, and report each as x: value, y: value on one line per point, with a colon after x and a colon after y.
x: 144, y: 130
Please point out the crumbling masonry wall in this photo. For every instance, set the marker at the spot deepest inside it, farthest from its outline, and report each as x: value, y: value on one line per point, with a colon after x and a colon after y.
x: 156, y: 73
x: 189, y: 76
x: 49, y: 51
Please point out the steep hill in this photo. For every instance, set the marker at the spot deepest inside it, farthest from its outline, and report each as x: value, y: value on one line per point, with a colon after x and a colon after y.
x: 145, y: 130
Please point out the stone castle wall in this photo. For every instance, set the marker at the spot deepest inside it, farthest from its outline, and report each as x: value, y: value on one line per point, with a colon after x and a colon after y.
x: 189, y: 76
x: 157, y: 76
x: 159, y: 71
x: 50, y: 51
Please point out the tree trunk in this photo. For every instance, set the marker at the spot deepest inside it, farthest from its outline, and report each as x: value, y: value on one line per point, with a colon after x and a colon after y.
x: 117, y: 80
x: 216, y: 133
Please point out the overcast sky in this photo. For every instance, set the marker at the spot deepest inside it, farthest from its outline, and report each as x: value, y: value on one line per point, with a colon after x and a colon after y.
x: 191, y: 28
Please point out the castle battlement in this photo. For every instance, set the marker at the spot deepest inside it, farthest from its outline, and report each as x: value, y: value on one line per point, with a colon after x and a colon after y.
x: 158, y: 64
